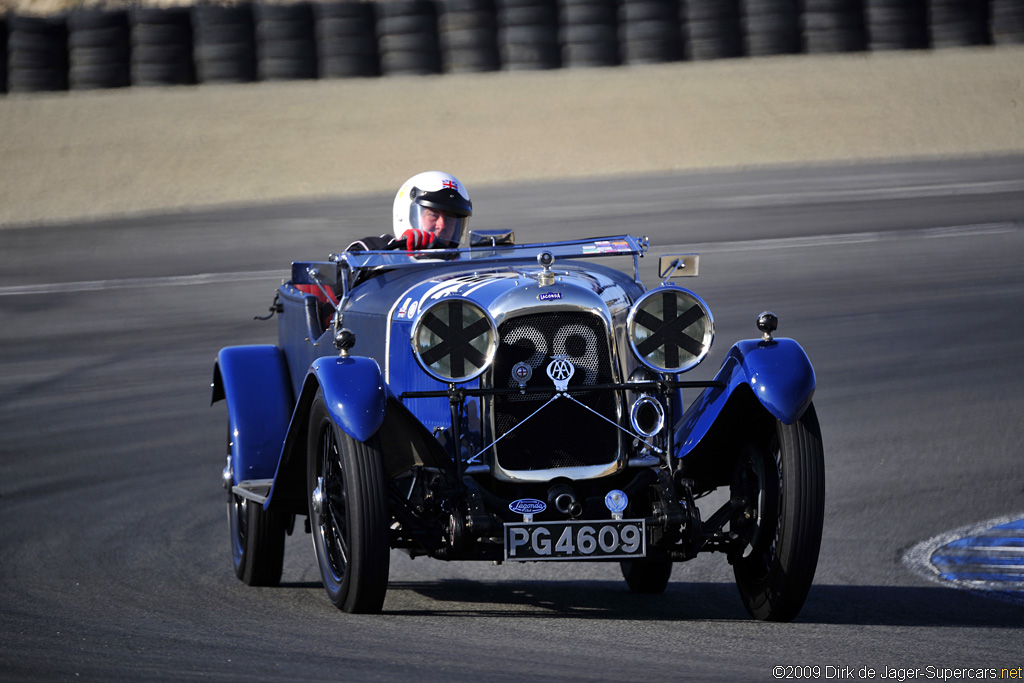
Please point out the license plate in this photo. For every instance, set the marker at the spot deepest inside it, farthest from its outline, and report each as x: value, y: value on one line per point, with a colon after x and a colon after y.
x: 529, y: 542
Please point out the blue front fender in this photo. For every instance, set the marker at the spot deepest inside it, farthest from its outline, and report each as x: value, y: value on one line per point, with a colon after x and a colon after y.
x: 254, y: 380
x: 354, y: 392
x: 777, y: 372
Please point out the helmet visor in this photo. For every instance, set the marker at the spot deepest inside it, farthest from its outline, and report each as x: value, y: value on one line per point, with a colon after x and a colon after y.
x: 447, y: 228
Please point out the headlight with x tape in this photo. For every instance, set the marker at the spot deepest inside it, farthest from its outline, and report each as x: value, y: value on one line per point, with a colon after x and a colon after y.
x: 670, y: 329
x: 454, y: 340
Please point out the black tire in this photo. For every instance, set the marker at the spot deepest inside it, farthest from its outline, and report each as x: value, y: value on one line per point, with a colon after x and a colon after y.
x: 956, y: 23
x: 37, y: 53
x: 648, y: 577
x: 771, y: 27
x: 785, y: 483
x: 833, y: 26
x: 285, y: 41
x: 650, y: 10
x: 408, y: 37
x: 162, y: 46
x: 348, y: 513
x: 589, y: 33
x: 257, y: 540
x: 896, y: 24
x: 99, y: 76
x: 712, y: 29
x: 158, y: 73
x: 469, y: 41
x: 650, y: 51
x: 471, y: 61
x: 1008, y: 22
x: 528, y: 35
x: 3, y: 54
x: 225, y: 43
x: 346, y: 39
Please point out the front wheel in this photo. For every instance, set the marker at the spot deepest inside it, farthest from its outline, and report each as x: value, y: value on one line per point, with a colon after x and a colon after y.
x: 784, y: 484
x: 348, y: 514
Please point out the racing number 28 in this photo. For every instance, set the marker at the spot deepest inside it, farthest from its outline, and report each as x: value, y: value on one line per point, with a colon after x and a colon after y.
x: 585, y: 541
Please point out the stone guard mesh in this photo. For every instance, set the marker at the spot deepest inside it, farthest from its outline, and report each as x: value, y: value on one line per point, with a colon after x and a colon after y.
x: 564, y: 434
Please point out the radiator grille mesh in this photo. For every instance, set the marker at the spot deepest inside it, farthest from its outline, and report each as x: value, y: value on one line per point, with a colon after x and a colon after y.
x: 564, y: 434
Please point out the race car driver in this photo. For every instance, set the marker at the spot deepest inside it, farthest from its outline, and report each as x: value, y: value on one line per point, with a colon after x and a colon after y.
x: 431, y: 211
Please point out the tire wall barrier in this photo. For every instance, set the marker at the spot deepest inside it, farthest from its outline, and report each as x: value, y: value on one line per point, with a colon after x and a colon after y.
x: 3, y: 54
x: 266, y: 41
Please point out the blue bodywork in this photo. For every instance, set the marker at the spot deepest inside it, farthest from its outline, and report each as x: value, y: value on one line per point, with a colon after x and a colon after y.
x: 354, y: 392
x: 269, y: 389
x: 254, y: 381
x: 778, y: 373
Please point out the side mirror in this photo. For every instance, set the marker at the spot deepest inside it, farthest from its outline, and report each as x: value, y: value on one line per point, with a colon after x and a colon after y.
x: 678, y: 265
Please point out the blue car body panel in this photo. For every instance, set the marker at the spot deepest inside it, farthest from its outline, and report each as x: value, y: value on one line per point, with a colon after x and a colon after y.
x: 254, y: 381
x: 354, y: 391
x: 778, y: 373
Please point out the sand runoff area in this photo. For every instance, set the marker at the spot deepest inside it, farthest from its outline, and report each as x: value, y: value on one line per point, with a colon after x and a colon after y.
x: 86, y: 155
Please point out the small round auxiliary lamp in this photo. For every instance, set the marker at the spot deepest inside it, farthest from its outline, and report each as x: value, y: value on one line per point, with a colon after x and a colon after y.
x: 767, y: 322
x: 344, y: 339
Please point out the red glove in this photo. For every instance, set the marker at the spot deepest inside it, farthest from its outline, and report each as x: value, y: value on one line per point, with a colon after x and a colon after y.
x: 416, y: 238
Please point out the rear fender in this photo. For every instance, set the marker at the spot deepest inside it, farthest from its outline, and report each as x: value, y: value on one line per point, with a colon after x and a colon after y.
x: 254, y: 382
x: 777, y: 372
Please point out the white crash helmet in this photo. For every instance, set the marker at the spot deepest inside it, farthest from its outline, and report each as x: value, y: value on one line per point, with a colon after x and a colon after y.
x: 439, y: 192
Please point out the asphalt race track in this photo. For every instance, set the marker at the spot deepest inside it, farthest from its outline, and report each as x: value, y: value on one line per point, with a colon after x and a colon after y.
x: 904, y: 283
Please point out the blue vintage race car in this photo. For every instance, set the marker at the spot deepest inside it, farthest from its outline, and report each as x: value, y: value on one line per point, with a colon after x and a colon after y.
x: 516, y: 403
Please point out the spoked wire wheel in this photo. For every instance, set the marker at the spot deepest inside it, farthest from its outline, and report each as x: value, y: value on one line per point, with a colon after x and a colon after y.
x: 780, y: 535
x: 348, y: 514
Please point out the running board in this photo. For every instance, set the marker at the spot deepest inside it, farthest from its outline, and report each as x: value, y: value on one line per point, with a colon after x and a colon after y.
x: 255, y: 490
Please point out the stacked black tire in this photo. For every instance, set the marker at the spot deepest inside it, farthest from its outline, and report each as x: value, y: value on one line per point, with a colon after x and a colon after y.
x: 346, y: 39
x: 469, y: 35
x: 1008, y: 22
x: 99, y: 49
x: 650, y: 31
x: 834, y: 26
x: 37, y: 53
x: 91, y: 48
x: 285, y: 41
x: 528, y: 34
x: 712, y: 29
x: 957, y: 23
x: 162, y: 46
x: 771, y: 27
x: 3, y: 54
x: 589, y: 32
x: 225, y: 43
x: 408, y: 37
x: 896, y: 24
